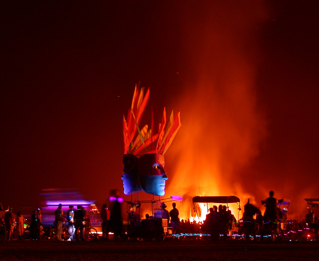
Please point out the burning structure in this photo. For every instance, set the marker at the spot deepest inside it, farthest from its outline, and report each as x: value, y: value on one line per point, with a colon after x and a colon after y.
x: 222, y: 124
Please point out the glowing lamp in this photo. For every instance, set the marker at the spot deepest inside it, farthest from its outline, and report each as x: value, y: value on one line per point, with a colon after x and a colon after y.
x: 120, y: 200
x: 65, y: 202
x: 177, y: 198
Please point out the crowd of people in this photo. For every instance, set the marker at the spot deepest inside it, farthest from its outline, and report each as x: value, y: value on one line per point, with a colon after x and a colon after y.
x: 153, y: 226
x: 218, y: 221
x: 73, y: 219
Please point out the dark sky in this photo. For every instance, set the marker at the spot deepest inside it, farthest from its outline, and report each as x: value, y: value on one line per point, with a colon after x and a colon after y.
x: 69, y: 70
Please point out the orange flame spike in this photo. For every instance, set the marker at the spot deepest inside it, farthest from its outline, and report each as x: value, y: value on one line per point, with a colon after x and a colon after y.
x: 172, y: 134
x: 125, y: 136
x: 147, y: 143
x: 161, y: 131
x: 168, y: 128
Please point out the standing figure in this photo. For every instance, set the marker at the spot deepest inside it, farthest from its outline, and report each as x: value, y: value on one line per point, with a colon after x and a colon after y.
x: 164, y: 212
x: 58, y: 222
x: 271, y: 205
x: 105, y: 215
x: 174, y: 213
x: 33, y: 225
x: 70, y: 219
x: 20, y: 225
x: 214, y: 221
x: 39, y: 224
x: 8, y: 219
x: 250, y: 211
x: 79, y: 215
x: 310, y: 217
x: 115, y: 222
x: 209, y: 220
x: 249, y: 221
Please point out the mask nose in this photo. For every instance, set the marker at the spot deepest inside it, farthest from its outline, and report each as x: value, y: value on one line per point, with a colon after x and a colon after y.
x: 165, y: 177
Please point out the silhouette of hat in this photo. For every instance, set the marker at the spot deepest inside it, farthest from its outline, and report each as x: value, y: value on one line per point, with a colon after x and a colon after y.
x: 163, y: 205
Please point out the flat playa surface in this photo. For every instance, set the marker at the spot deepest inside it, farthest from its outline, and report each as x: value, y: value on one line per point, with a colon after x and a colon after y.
x: 170, y: 250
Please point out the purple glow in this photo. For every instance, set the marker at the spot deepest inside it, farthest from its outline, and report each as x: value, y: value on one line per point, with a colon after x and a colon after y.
x: 176, y: 198
x: 118, y: 199
x: 67, y: 203
x: 112, y: 198
x: 284, y: 203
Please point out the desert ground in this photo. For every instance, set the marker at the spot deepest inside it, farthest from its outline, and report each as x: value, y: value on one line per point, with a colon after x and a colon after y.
x: 167, y: 250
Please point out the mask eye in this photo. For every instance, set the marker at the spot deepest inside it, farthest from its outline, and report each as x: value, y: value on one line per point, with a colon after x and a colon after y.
x: 156, y: 166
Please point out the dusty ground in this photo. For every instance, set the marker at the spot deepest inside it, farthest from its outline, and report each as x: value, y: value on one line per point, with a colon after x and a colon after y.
x: 184, y: 250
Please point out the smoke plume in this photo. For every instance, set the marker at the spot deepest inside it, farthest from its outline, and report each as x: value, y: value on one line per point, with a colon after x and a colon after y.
x: 222, y: 126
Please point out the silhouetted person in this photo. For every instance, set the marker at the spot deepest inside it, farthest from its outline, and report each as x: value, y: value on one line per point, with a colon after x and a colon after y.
x: 79, y: 215
x: 105, y: 215
x: 164, y: 212
x: 58, y: 222
x: 115, y: 222
x: 8, y: 219
x: 20, y: 225
x: 310, y: 217
x: 224, y: 221
x: 209, y: 218
x: 271, y: 205
x: 33, y: 225
x: 71, y: 221
x: 1, y: 207
x: 259, y: 219
x: 174, y: 213
x: 250, y: 211
x: 39, y: 223
x: 215, y: 222
x: 231, y: 218
x: 249, y: 221
x: 134, y: 216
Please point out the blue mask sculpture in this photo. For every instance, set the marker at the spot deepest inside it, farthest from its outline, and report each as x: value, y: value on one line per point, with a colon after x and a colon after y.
x: 152, y: 175
x: 130, y: 174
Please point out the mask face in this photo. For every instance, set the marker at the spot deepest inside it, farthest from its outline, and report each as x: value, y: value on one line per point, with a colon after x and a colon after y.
x: 152, y: 175
x: 130, y: 174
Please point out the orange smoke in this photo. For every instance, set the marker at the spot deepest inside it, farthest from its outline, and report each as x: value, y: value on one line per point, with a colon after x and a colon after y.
x: 222, y: 128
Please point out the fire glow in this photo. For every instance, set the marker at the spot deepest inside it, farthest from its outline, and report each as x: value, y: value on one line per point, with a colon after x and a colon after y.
x: 199, y: 218
x: 222, y: 126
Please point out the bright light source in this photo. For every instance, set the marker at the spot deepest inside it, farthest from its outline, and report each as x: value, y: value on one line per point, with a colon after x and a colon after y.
x: 179, y: 198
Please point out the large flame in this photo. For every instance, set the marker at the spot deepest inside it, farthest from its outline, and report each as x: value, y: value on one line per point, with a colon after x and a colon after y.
x: 222, y: 126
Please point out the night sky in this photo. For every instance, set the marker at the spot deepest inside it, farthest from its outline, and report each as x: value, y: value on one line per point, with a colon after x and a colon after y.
x: 68, y: 75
